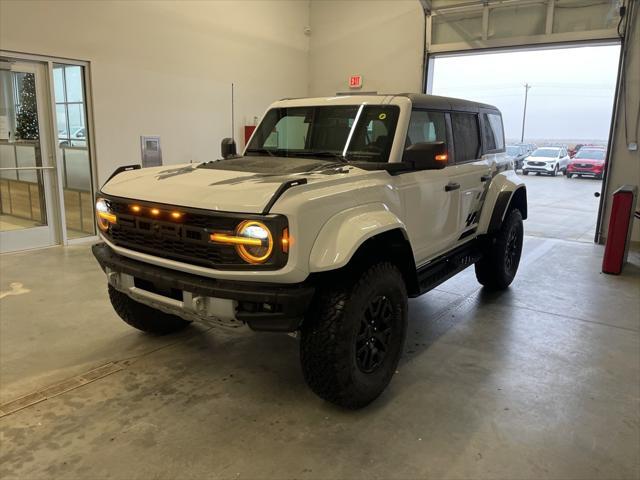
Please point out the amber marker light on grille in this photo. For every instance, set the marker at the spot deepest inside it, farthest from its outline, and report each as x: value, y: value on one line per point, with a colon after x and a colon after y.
x: 155, y: 211
x: 176, y: 215
x: 135, y: 208
x: 442, y: 157
x: 285, y: 242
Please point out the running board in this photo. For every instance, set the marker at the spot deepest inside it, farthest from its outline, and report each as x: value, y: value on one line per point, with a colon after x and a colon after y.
x: 443, y: 268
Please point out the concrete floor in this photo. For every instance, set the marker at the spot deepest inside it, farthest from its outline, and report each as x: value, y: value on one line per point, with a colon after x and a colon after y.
x: 540, y: 381
x: 563, y: 208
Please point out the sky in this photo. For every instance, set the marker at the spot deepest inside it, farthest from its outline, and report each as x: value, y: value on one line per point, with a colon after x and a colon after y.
x: 571, y: 93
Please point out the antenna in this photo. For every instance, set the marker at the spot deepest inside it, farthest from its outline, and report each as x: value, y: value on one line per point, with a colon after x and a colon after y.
x: 232, y: 116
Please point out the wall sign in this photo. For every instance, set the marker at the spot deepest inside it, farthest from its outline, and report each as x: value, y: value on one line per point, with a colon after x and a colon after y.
x: 355, y: 81
x: 151, y: 151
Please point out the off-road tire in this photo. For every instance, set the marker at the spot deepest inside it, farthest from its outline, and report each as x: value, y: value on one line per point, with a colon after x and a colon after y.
x: 332, y: 351
x: 144, y: 318
x: 499, y: 264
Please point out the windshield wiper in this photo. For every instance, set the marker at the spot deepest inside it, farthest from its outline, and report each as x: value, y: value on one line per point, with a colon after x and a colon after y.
x: 322, y: 155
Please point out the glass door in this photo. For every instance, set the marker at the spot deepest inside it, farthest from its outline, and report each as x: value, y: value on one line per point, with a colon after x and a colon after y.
x: 27, y: 216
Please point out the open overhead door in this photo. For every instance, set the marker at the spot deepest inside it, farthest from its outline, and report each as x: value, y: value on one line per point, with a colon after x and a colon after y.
x: 461, y: 26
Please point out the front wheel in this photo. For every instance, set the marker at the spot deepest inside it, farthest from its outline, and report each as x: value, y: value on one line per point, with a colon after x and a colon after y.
x: 143, y: 317
x: 555, y: 171
x: 352, y: 340
x: 498, y: 267
x: 525, y: 172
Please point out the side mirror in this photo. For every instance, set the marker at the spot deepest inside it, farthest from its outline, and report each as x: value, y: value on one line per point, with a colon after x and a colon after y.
x: 426, y: 155
x: 228, y: 148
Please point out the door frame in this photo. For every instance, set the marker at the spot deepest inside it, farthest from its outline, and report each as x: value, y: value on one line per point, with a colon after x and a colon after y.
x: 91, y: 142
x: 46, y: 235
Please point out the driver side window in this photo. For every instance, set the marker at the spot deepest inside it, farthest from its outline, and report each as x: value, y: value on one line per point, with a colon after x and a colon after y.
x: 426, y: 127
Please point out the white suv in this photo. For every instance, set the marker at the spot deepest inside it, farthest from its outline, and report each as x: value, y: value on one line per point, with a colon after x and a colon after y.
x: 549, y: 160
x: 338, y: 210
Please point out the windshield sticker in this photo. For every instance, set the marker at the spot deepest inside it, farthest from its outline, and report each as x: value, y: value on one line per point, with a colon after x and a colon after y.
x: 382, y: 116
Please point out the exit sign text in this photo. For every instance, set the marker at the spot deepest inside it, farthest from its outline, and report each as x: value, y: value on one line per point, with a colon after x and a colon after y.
x: 355, y: 81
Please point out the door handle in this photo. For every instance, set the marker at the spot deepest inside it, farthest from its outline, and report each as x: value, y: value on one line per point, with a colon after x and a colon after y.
x: 485, y: 178
x: 451, y: 186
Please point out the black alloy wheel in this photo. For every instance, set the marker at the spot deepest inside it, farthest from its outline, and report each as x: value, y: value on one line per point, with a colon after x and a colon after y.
x: 372, y: 341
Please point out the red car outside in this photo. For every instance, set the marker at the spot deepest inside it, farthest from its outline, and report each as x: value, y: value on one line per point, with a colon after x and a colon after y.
x: 589, y: 161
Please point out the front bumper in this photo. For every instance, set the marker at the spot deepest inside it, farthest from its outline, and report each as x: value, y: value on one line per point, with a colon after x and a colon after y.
x: 264, y: 307
x: 539, y: 168
x: 584, y: 171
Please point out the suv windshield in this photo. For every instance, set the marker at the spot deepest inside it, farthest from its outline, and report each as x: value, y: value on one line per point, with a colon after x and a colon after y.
x: 513, y: 151
x: 546, y: 152
x: 591, y: 154
x: 346, y: 132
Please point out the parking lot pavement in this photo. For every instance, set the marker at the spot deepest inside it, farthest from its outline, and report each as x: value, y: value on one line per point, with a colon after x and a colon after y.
x: 562, y: 208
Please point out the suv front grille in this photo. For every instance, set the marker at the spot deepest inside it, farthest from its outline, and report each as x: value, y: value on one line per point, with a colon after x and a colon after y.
x: 185, y: 240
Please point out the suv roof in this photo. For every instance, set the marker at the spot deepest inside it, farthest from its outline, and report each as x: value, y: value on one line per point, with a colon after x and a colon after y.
x: 420, y: 100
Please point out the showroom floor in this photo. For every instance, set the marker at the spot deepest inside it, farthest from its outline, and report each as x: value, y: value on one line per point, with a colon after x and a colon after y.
x: 540, y: 381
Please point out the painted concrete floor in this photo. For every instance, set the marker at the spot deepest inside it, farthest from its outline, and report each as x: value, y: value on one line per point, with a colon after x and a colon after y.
x: 540, y: 381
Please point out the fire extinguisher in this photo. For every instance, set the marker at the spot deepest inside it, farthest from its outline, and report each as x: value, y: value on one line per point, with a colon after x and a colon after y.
x: 619, y: 232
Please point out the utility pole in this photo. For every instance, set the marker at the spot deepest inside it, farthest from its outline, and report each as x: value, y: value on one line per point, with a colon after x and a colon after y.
x: 524, y: 113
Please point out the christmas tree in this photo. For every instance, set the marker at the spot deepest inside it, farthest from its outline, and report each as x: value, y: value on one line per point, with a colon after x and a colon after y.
x: 27, y: 118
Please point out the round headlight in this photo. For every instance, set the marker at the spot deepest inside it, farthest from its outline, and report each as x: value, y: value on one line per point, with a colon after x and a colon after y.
x: 258, y: 231
x: 104, y: 216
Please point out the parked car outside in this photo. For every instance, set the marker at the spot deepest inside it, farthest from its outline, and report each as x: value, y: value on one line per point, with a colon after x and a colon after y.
x: 77, y: 138
x: 549, y: 160
x: 518, y: 153
x: 589, y: 162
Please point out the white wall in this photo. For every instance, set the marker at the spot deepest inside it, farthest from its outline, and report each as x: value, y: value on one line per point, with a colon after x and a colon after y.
x: 625, y: 164
x: 165, y: 68
x: 380, y: 40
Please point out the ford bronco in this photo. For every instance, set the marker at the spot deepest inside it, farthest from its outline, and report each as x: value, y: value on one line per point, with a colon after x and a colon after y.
x: 338, y: 210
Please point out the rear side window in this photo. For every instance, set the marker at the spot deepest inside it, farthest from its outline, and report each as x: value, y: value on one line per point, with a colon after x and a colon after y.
x: 492, y: 132
x: 466, y: 136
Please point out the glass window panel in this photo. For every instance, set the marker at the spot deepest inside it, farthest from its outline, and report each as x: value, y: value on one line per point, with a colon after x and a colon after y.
x: 76, y: 118
x: 77, y: 181
x: 26, y: 157
x: 426, y: 127
x: 73, y: 75
x: 455, y: 27
x: 58, y: 83
x: 77, y: 169
x: 584, y: 15
x: 466, y: 136
x: 61, y: 121
x: 517, y: 20
x: 8, y: 160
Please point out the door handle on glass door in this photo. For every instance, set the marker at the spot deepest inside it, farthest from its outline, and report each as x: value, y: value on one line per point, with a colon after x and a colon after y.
x: 451, y: 186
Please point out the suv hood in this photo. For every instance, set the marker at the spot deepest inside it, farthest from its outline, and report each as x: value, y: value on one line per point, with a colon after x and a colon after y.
x: 243, y: 185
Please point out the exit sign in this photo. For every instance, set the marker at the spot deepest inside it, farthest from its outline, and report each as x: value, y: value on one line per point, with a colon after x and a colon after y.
x: 355, y: 81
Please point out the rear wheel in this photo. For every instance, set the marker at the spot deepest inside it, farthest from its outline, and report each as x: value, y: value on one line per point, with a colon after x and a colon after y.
x: 499, y: 265
x: 144, y: 318
x: 352, y: 340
